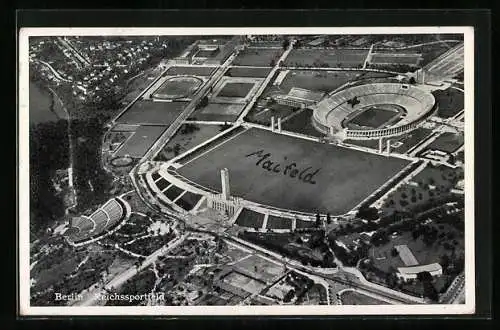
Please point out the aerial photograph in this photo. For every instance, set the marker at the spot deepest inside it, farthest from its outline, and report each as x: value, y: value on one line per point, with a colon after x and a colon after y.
x: 246, y: 170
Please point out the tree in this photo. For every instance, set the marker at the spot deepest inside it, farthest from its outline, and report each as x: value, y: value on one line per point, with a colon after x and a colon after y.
x: 412, y: 81
x: 318, y: 220
x: 285, y: 43
x: 367, y: 213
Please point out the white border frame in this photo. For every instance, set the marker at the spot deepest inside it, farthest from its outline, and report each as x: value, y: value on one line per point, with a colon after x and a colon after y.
x: 24, y: 198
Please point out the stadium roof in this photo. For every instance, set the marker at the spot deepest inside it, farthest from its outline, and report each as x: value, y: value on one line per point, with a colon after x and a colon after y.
x: 435, y: 267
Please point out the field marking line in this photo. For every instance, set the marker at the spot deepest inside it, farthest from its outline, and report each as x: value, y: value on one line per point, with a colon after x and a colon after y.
x: 132, y: 133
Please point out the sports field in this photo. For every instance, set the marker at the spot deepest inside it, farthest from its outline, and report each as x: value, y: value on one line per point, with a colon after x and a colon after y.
x: 248, y: 72
x: 140, y: 141
x: 178, y: 87
x: 243, y: 282
x: 218, y: 112
x: 190, y: 70
x: 327, y: 57
x: 291, y: 173
x: 258, y: 57
x: 184, y: 140
x: 447, y: 142
x: 235, y: 89
x: 382, y: 58
x: 322, y: 81
x: 150, y: 112
x: 274, y: 222
x: 260, y: 268
x: 373, y: 117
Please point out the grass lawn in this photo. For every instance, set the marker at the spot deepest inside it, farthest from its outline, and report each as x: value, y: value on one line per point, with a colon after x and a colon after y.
x: 319, y: 177
x: 260, y: 267
x: 395, y: 59
x: 248, y: 72
x: 373, y: 117
x: 301, y: 123
x: 218, y: 112
x: 190, y: 71
x: 383, y: 259
x: 322, y: 81
x: 330, y: 57
x: 450, y: 102
x: 250, y: 219
x: 412, y: 139
x: 187, y: 141
x: 178, y: 87
x: 257, y: 56
x: 235, y: 90
x: 447, y: 142
x: 140, y: 141
x: 274, y: 222
x: 150, y: 112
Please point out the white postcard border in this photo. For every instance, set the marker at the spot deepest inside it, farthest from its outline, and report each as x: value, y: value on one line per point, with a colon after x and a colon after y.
x: 23, y: 178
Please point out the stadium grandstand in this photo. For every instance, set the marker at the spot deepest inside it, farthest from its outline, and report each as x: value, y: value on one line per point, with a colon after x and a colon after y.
x: 299, y: 97
x: 333, y: 113
x: 108, y: 216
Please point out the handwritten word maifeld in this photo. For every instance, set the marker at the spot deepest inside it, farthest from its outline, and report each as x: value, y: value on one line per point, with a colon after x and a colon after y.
x: 291, y: 169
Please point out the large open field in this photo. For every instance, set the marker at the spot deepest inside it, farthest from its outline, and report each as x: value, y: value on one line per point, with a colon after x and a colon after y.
x: 258, y: 56
x: 235, y: 89
x: 447, y: 142
x: 260, y: 268
x: 185, y: 139
x: 178, y: 87
x: 190, y: 70
x: 140, y: 141
x: 236, y: 71
x: 322, y: 81
x: 390, y: 58
x: 150, y: 112
x: 218, y: 112
x: 374, y: 117
x: 327, y: 57
x: 291, y: 173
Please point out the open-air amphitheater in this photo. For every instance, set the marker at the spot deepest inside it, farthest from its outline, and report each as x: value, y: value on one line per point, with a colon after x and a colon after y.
x: 332, y: 113
x: 102, y: 222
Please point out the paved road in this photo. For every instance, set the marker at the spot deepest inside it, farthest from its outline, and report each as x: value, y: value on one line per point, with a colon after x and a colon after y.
x: 170, y: 131
x: 358, y: 280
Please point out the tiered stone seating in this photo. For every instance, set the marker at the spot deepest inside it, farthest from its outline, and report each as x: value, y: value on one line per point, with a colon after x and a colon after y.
x: 331, y: 111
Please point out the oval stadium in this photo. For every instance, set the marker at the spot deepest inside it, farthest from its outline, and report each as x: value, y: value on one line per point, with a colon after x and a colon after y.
x: 373, y: 110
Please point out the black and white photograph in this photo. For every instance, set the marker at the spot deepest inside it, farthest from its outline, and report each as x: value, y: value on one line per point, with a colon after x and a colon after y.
x: 246, y: 171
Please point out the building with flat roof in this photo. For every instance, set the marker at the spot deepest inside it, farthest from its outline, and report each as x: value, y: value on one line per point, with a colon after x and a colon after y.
x: 410, y: 273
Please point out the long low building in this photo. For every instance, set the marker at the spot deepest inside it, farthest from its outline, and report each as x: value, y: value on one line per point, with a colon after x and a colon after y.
x: 410, y: 273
